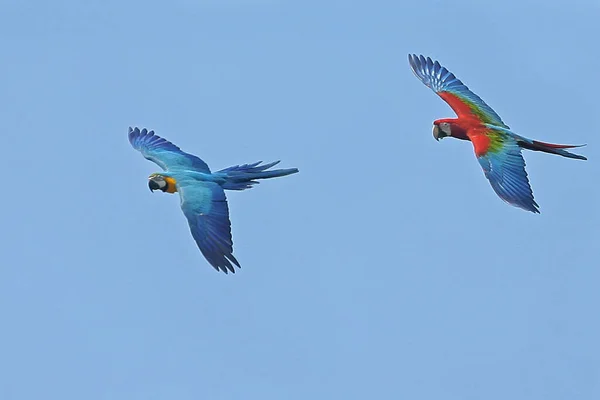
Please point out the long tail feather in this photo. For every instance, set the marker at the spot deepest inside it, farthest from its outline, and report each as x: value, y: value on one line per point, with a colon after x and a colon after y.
x: 535, y: 145
x: 557, y: 146
x: 552, y: 148
x: 240, y: 177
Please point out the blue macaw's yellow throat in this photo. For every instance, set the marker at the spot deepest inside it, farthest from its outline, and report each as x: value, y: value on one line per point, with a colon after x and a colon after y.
x: 171, y: 185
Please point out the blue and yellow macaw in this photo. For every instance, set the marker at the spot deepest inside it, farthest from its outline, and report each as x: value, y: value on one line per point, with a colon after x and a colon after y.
x: 498, y: 149
x: 202, y: 192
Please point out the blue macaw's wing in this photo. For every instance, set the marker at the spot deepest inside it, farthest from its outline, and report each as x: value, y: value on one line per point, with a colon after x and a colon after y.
x: 464, y: 102
x: 499, y: 154
x: 205, y: 206
x: 164, y: 153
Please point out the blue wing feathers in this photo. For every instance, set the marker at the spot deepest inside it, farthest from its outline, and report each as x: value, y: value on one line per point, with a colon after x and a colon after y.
x: 148, y: 140
x: 164, y: 153
x: 506, y: 173
x: 433, y: 75
x: 440, y: 80
x: 205, y: 207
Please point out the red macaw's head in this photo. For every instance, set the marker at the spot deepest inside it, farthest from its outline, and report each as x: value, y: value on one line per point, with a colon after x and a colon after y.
x: 441, y: 129
x: 452, y: 127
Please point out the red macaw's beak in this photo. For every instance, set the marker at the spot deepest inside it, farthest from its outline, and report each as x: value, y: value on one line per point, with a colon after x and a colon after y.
x: 436, y: 132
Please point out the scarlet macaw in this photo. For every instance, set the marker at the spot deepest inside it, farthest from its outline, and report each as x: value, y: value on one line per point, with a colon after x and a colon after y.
x: 201, y: 192
x: 497, y: 148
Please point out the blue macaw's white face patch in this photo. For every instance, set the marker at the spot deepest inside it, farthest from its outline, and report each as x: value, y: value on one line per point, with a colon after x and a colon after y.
x: 163, y: 183
x: 159, y: 180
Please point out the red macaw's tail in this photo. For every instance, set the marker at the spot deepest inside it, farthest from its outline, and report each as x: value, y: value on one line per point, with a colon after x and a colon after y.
x: 551, y: 148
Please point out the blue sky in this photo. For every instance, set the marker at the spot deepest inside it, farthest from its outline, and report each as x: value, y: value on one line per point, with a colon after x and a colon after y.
x: 386, y: 269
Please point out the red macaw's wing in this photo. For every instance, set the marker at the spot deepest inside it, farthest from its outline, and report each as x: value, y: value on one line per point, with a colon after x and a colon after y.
x: 500, y: 157
x: 465, y: 103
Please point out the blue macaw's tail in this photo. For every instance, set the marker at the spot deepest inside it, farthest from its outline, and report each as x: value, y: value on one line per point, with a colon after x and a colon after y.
x: 240, y: 177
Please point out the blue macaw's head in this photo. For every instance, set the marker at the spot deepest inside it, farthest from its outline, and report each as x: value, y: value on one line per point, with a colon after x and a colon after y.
x: 161, y: 182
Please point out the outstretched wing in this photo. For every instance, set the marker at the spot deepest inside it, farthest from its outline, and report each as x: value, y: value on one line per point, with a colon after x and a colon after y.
x: 500, y: 157
x: 205, y: 206
x: 164, y: 153
x: 464, y: 102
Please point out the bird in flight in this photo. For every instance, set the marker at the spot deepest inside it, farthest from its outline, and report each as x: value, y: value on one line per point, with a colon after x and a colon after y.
x: 497, y: 148
x: 202, y: 192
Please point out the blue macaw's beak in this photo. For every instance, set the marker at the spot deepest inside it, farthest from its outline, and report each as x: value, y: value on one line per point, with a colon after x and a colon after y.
x: 153, y: 185
x: 436, y: 132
